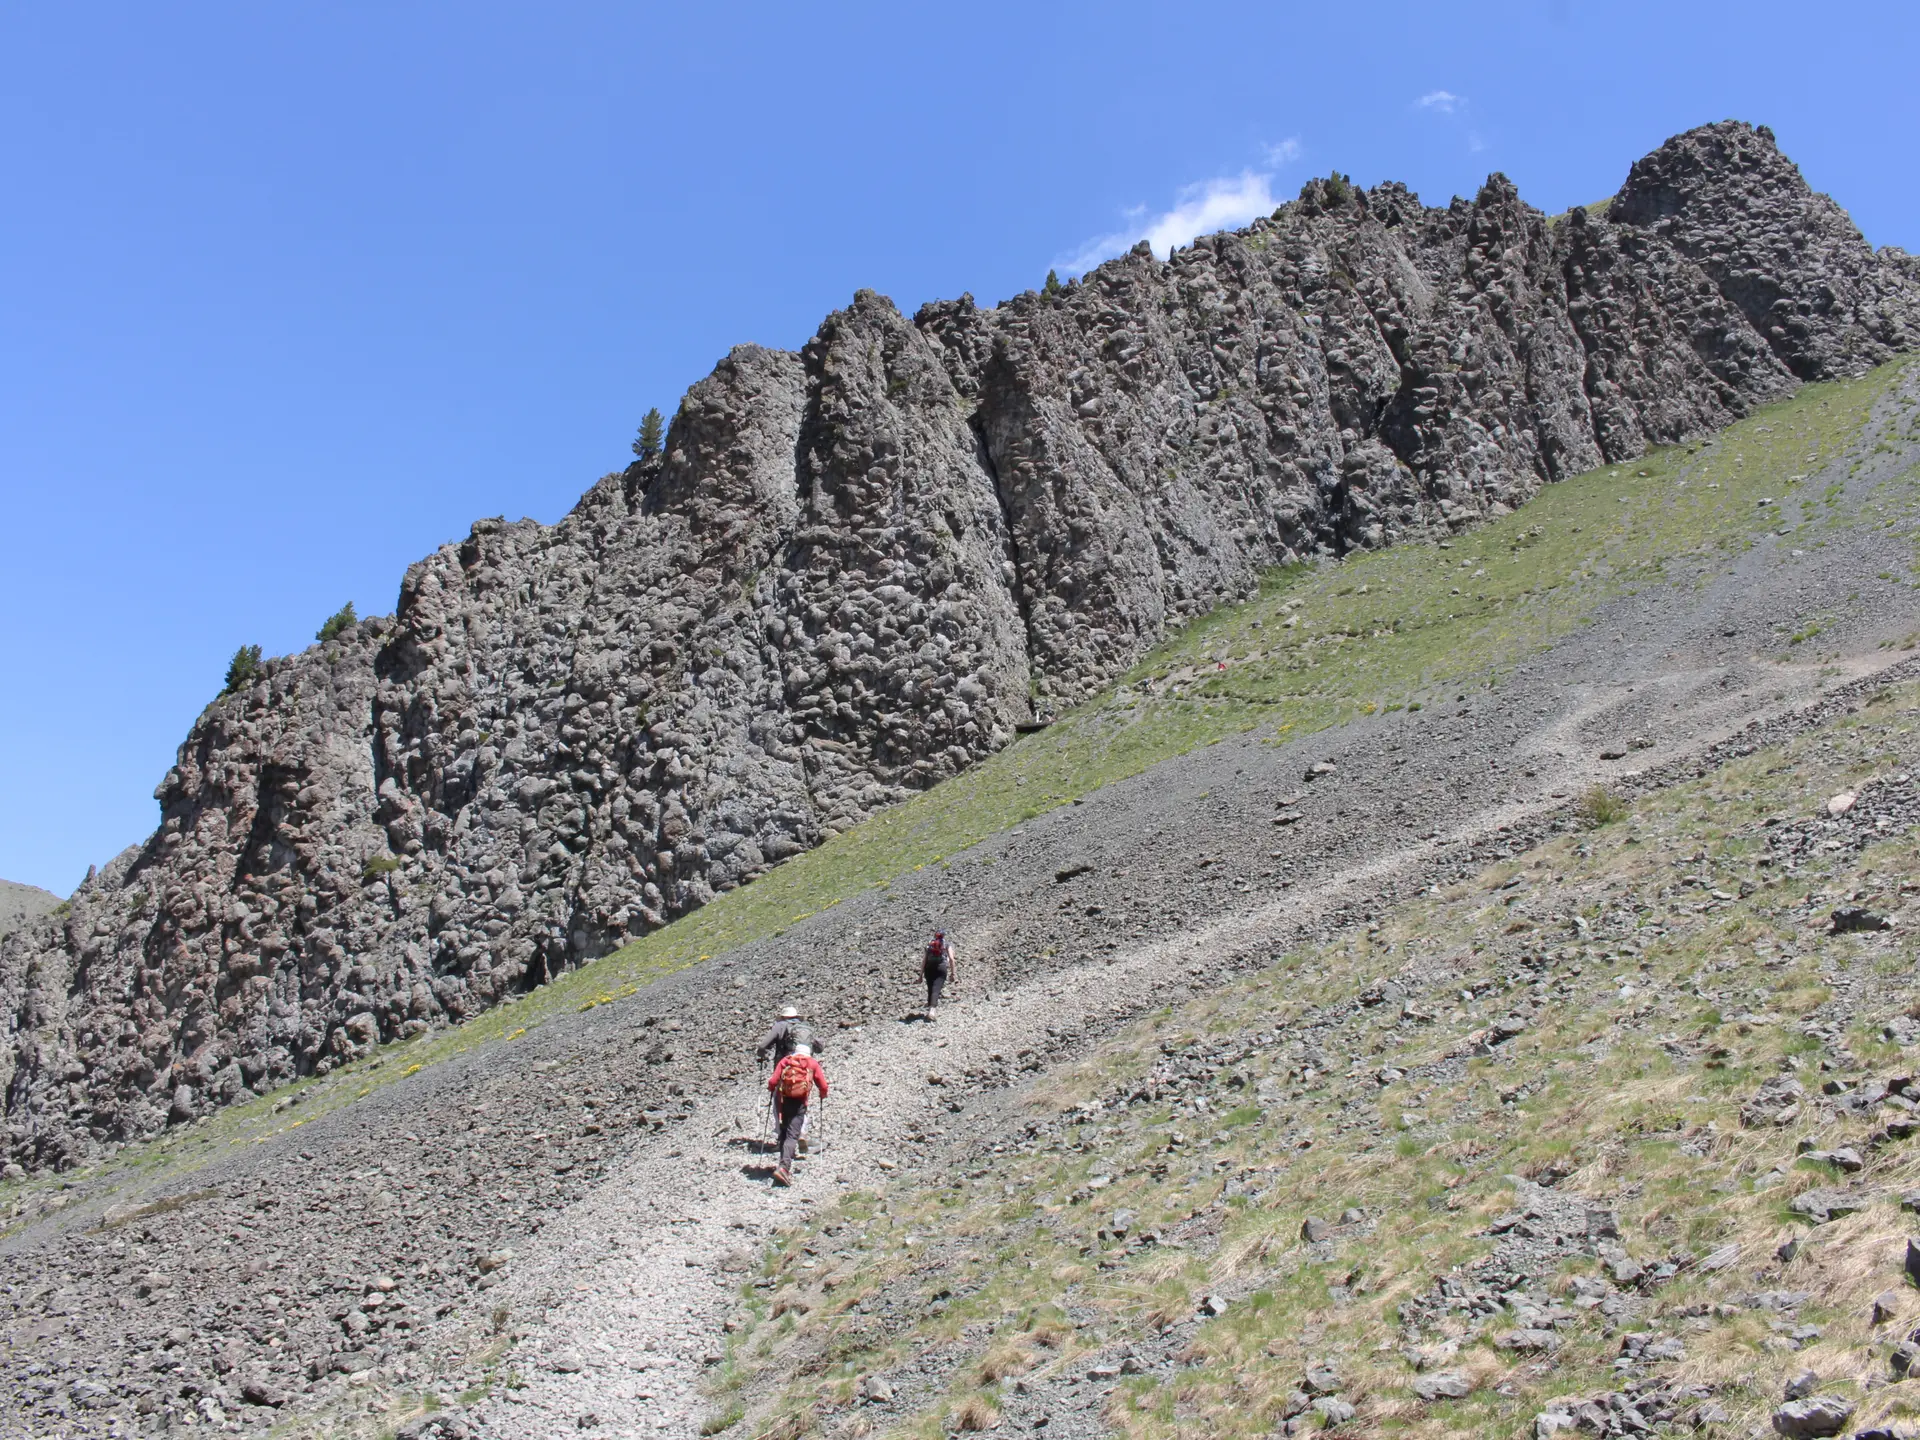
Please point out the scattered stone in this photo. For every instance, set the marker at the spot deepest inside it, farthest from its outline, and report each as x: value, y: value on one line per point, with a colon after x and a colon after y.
x: 1333, y: 1411
x: 1903, y: 1359
x: 1624, y: 1269
x: 1430, y: 1357
x: 1852, y: 919
x: 1720, y: 1259
x: 1822, y: 1206
x: 1528, y: 1342
x: 441, y: 1425
x: 1321, y: 1379
x: 1845, y: 1159
x: 1213, y: 1306
x: 1777, y: 1102
x: 1802, y: 1385
x: 1818, y: 1415
x: 1313, y: 1229
x: 1443, y: 1385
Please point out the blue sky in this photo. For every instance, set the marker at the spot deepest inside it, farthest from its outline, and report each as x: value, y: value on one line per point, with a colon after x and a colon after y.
x: 291, y: 294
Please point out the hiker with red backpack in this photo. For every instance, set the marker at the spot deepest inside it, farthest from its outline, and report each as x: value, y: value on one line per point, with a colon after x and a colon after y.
x: 790, y: 1032
x: 936, y: 967
x: 792, y: 1085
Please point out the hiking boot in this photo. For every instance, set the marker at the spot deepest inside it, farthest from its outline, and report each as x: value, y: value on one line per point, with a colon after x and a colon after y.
x: 780, y: 1176
x: 803, y: 1144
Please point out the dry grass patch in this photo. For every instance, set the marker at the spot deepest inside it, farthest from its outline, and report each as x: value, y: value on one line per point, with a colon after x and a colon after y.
x: 976, y: 1412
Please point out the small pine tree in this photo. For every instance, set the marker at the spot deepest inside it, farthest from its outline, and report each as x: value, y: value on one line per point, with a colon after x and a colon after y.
x: 242, y: 669
x: 647, y: 444
x: 341, y: 619
x: 1053, y: 285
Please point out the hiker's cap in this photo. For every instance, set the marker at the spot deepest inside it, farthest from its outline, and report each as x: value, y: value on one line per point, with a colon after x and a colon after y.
x: 789, y: 1012
x: 803, y: 1050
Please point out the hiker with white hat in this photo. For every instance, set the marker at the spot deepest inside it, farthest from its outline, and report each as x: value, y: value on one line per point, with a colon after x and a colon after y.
x: 790, y: 1035
x: 787, y: 1032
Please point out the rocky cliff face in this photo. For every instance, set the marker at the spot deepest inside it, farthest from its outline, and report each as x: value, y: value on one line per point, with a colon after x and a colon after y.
x: 858, y: 569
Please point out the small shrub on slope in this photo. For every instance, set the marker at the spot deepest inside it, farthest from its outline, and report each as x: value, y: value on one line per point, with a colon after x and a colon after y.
x: 243, y: 669
x: 341, y: 619
x: 1600, y: 806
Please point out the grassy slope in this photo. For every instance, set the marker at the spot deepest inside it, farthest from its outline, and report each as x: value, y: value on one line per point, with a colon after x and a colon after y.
x: 1377, y: 631
x: 1615, y: 1086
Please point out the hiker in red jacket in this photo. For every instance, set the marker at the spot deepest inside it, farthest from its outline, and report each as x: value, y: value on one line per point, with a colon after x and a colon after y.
x: 791, y: 1085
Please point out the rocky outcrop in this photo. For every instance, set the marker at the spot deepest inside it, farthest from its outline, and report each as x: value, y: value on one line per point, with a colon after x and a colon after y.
x: 858, y: 569
x: 20, y: 903
x: 1791, y: 261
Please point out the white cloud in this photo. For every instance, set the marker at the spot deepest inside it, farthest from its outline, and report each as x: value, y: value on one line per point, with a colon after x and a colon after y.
x: 1201, y: 209
x: 1285, y: 153
x: 1445, y: 101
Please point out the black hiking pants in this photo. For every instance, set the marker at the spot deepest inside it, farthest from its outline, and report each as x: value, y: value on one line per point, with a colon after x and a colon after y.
x: 793, y: 1119
x: 936, y: 983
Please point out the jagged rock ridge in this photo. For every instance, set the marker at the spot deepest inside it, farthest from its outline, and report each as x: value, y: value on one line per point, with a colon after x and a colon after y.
x: 21, y: 903
x: 857, y: 569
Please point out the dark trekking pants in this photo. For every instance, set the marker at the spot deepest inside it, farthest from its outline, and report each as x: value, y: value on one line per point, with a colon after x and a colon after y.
x: 793, y: 1119
x: 936, y: 982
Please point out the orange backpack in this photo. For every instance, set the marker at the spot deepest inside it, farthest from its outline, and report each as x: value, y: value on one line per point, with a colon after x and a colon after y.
x: 795, y: 1080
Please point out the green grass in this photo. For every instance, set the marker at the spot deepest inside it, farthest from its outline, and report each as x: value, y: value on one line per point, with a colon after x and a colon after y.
x: 1405, y: 627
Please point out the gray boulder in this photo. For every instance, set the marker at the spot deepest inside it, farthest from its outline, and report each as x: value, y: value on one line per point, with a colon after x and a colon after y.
x: 1815, y: 1415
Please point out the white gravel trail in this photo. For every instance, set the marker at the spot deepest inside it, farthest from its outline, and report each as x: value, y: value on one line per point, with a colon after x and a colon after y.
x: 638, y: 1269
